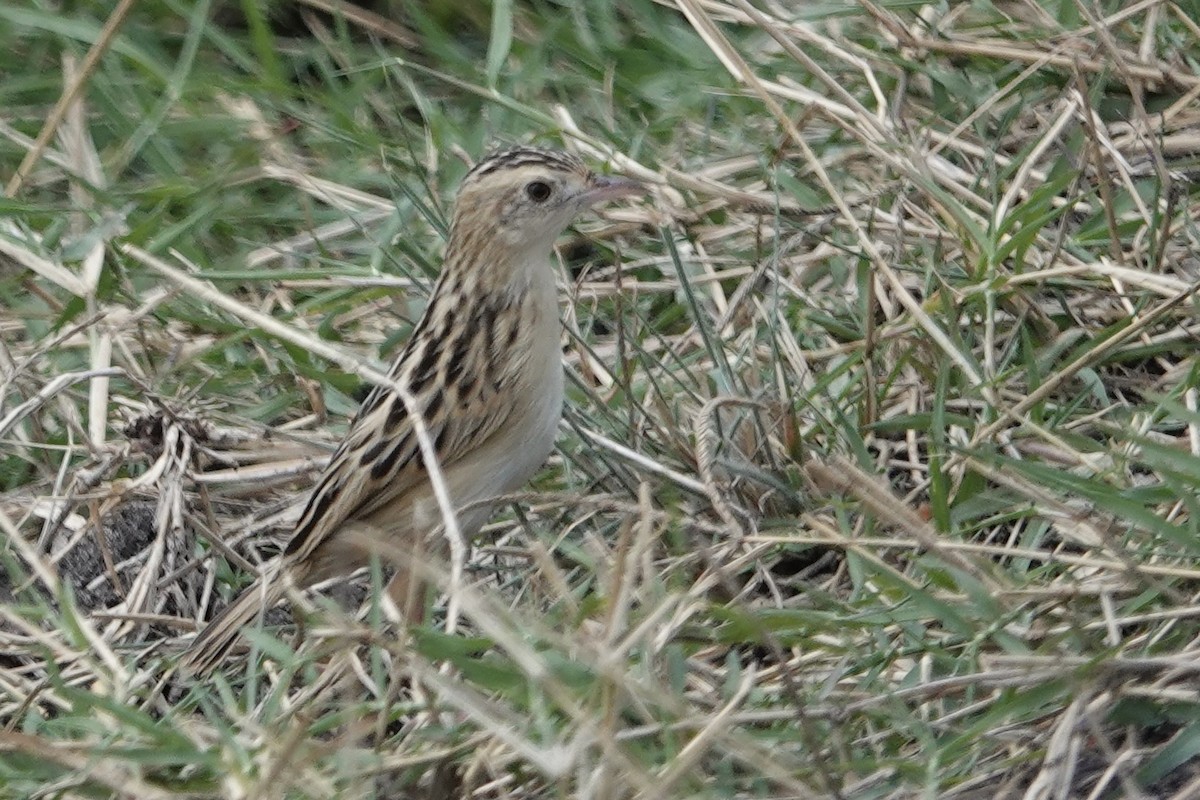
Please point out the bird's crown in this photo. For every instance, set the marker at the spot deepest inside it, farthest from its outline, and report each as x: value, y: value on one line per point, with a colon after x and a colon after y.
x: 526, y: 156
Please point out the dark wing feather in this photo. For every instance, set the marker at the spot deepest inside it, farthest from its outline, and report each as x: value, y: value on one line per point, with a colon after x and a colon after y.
x: 380, y: 457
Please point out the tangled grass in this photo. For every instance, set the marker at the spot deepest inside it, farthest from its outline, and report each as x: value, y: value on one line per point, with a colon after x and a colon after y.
x: 878, y: 473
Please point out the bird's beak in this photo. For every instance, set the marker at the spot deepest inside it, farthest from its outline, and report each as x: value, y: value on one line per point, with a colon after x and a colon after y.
x: 602, y: 188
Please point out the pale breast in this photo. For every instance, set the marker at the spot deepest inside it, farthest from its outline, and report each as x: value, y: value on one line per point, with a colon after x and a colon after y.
x: 522, y: 444
x: 519, y: 448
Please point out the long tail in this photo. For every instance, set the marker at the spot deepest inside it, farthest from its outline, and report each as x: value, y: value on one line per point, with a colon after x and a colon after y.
x: 212, y: 645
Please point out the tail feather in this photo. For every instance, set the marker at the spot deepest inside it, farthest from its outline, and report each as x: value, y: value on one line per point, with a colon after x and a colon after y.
x: 212, y: 645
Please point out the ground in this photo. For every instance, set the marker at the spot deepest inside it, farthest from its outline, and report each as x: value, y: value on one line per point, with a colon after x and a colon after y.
x: 881, y: 442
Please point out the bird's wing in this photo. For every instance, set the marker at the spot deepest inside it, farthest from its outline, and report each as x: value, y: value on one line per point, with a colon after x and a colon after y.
x: 214, y: 642
x: 458, y: 386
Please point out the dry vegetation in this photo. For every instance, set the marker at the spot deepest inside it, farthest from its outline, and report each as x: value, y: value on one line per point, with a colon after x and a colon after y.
x: 879, y: 473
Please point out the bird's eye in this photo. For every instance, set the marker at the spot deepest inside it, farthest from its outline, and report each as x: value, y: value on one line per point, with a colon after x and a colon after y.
x: 538, y: 191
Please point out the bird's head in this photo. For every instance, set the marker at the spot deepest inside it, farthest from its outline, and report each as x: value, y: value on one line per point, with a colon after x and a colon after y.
x: 515, y: 202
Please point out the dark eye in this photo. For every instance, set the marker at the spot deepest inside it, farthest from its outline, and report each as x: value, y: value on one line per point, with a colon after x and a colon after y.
x: 538, y: 191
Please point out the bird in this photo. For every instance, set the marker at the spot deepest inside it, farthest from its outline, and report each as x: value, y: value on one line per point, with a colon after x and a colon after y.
x: 483, y: 370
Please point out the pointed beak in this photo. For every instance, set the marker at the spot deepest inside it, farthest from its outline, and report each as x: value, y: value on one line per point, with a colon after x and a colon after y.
x: 602, y: 188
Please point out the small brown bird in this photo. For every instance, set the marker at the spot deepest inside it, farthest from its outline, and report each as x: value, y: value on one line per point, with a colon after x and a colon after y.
x: 484, y: 367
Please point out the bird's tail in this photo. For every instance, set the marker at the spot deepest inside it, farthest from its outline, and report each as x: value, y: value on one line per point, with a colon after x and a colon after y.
x: 212, y: 645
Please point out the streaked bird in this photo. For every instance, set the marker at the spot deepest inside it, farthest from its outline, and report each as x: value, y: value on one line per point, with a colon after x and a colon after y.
x: 484, y: 369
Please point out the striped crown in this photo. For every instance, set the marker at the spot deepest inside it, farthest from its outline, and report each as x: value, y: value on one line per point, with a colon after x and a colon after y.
x: 525, y: 156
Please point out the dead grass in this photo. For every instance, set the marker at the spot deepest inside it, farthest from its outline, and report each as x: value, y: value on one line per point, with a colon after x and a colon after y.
x: 879, y: 468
